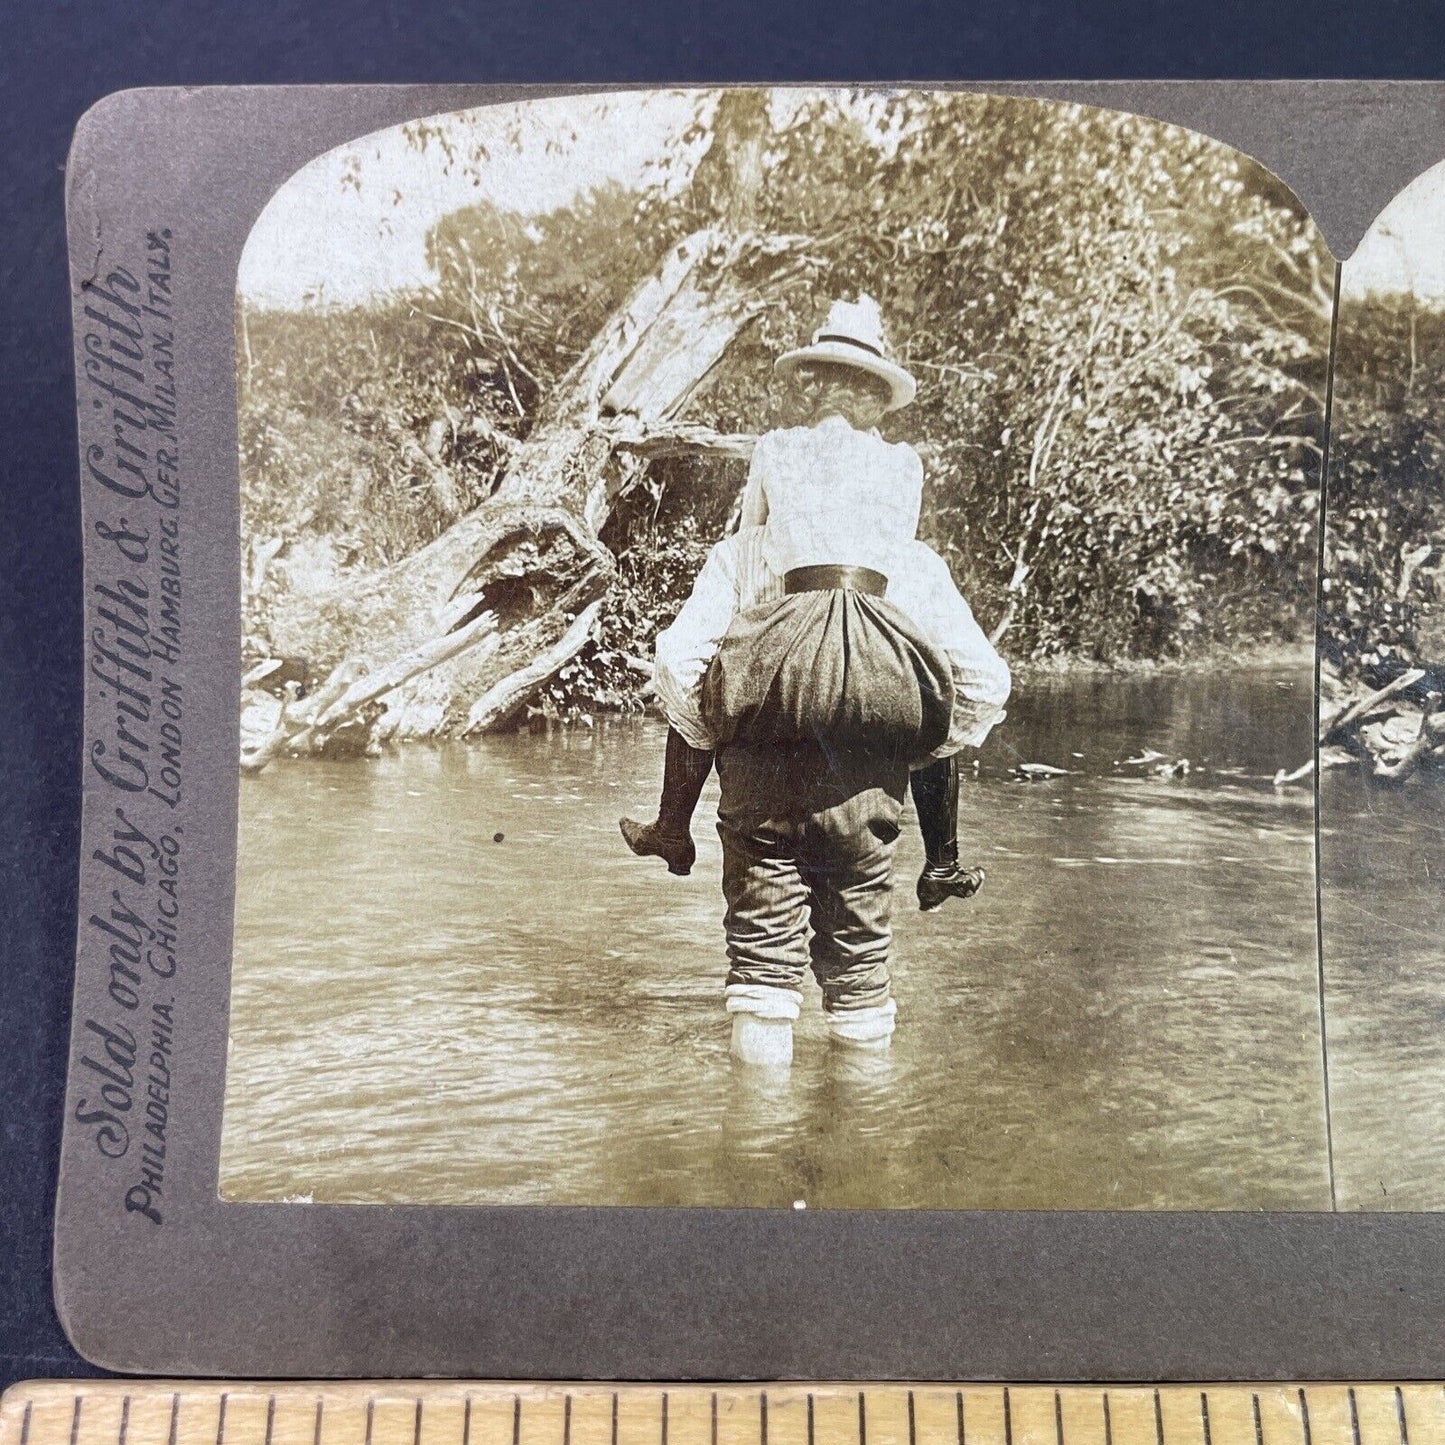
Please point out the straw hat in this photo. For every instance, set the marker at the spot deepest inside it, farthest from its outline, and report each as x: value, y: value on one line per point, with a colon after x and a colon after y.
x: 853, y: 336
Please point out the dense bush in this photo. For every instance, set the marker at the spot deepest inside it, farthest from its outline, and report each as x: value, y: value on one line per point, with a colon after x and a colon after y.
x: 1385, y: 527
x: 1120, y: 331
x: 661, y: 534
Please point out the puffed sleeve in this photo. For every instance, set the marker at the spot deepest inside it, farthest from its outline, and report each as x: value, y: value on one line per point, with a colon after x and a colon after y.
x: 755, y: 496
x: 910, y: 482
x: 684, y: 650
x: 925, y: 591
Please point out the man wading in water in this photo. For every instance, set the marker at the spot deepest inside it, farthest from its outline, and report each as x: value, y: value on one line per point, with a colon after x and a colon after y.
x: 823, y: 653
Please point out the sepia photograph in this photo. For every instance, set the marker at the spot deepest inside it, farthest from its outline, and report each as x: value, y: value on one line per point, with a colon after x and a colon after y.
x: 779, y: 664
x: 1382, y: 730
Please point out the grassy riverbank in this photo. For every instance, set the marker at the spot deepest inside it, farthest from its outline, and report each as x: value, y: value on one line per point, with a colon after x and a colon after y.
x: 1261, y: 657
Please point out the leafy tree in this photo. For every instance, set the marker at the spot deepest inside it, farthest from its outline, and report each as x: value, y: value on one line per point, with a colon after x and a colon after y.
x: 1120, y: 330
x: 1385, y: 513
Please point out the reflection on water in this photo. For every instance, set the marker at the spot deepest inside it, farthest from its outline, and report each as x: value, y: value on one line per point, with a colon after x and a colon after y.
x: 1383, y: 857
x: 453, y: 984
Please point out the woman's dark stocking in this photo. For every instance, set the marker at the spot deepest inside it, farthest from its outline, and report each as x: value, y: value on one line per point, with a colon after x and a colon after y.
x: 935, y: 796
x: 684, y: 771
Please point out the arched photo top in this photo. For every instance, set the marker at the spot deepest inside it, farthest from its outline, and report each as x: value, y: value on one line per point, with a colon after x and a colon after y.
x: 352, y: 224
x: 1403, y: 252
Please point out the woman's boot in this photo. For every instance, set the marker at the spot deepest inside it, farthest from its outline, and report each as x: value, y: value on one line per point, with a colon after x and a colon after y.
x: 935, y: 796
x: 684, y: 771
x: 762, y: 1024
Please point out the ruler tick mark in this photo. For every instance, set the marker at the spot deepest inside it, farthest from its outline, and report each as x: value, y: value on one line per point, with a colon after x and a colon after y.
x: 1335, y: 1427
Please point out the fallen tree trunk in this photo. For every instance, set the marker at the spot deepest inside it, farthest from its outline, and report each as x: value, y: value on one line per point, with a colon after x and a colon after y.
x: 1361, y: 707
x: 1396, y: 767
x: 1378, y: 729
x: 456, y: 637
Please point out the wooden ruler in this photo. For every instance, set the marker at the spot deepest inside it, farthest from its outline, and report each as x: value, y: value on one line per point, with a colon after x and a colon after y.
x: 154, y: 1412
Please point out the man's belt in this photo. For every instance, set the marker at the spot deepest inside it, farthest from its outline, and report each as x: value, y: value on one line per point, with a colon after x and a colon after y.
x: 825, y: 579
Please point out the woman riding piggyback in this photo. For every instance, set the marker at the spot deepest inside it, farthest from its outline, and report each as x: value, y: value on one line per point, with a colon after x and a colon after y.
x: 823, y: 633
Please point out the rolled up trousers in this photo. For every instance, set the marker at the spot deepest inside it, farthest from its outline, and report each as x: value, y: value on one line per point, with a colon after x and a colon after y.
x: 808, y: 839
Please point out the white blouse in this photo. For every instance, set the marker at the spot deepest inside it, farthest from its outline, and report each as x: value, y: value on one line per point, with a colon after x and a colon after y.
x: 833, y: 496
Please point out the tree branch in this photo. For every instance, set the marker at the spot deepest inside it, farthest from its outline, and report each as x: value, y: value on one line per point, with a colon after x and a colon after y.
x: 504, y: 698
x: 1401, y: 768
x: 368, y: 687
x: 677, y: 439
x: 1356, y: 710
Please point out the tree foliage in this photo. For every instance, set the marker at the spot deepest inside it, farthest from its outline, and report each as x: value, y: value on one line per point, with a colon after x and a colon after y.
x: 1385, y: 516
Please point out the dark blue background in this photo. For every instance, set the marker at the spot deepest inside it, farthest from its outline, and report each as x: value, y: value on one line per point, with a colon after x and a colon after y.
x: 55, y: 59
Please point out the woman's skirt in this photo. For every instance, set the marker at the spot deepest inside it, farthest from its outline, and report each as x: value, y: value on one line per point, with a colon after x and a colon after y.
x: 837, y: 667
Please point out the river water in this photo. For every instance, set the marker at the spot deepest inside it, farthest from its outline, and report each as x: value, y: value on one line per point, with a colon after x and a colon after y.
x: 1383, y: 893
x: 453, y: 984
